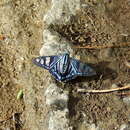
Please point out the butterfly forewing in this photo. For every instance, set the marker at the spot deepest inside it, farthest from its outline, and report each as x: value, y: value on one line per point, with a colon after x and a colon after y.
x: 69, y: 75
x: 46, y: 61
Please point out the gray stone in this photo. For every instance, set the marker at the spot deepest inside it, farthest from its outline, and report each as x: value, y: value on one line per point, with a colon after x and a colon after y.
x: 54, y: 44
x: 61, y: 11
x: 56, y: 96
x: 58, y: 121
x: 58, y: 99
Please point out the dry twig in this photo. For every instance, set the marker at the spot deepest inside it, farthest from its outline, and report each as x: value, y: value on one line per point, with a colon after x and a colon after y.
x: 103, y: 91
x: 123, y: 94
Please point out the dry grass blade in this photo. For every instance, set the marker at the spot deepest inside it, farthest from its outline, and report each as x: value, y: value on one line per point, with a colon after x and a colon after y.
x: 103, y: 91
x: 124, y: 44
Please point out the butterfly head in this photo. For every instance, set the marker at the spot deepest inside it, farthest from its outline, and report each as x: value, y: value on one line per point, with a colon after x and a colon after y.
x: 63, y: 64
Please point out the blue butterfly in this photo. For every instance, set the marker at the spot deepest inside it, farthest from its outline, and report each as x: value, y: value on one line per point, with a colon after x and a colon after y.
x: 63, y: 67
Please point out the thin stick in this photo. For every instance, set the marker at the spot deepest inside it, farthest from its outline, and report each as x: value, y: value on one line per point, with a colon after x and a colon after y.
x: 104, y: 46
x: 103, y: 91
x: 123, y: 94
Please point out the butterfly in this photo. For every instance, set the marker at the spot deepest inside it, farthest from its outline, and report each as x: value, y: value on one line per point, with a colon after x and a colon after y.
x: 63, y: 67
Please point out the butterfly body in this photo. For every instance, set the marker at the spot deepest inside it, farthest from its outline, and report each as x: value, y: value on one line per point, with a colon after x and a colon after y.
x: 63, y: 67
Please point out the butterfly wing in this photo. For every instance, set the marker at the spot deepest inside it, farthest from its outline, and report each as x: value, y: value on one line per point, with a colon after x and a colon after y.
x: 55, y: 73
x: 76, y: 68
x: 46, y: 62
x: 69, y: 76
x: 81, y: 69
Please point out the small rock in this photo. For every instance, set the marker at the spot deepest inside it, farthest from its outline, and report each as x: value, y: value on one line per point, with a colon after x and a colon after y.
x: 126, y: 100
x: 61, y: 11
x: 93, y: 127
x: 114, y: 86
x: 105, y: 53
x: 57, y: 97
x: 124, y: 127
x: 54, y: 45
x: 58, y: 121
x: 87, y: 126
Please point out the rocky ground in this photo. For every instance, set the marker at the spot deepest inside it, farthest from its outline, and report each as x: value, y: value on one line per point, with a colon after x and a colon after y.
x: 80, y: 23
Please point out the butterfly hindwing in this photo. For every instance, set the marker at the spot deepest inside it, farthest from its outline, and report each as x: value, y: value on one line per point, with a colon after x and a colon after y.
x: 60, y: 77
x: 71, y: 74
x: 54, y: 73
x: 46, y: 61
x: 81, y: 69
x: 76, y: 68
